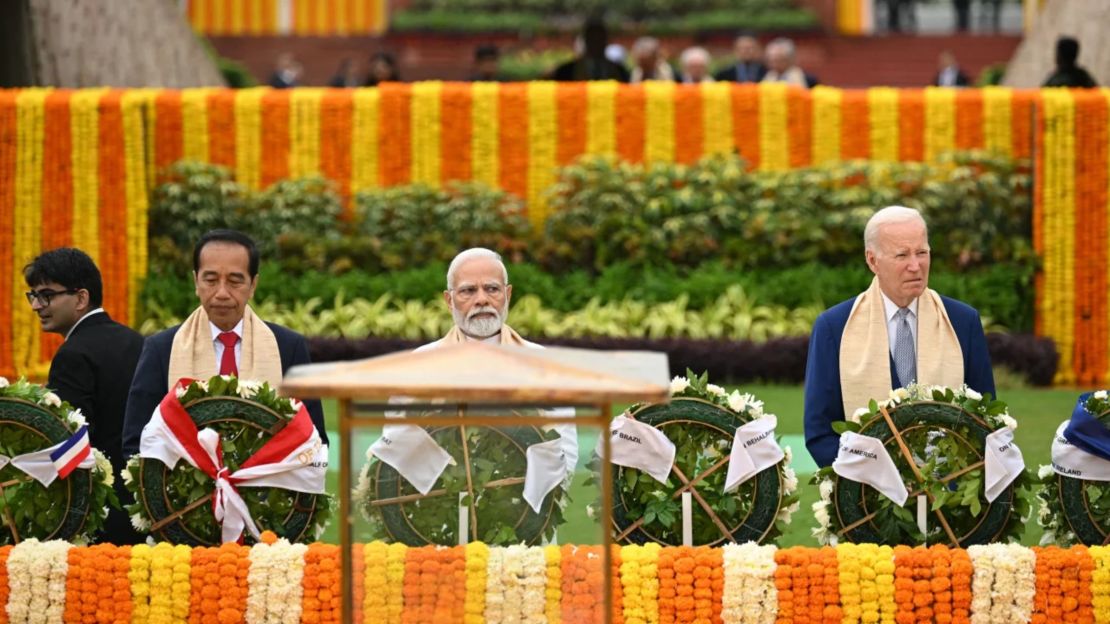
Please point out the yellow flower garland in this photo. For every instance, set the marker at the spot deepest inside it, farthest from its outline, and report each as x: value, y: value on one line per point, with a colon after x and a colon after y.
x: 553, y: 555
x: 716, y: 118
x: 773, y: 129
x: 395, y: 581
x: 27, y: 220
x: 85, y: 128
x: 364, y: 142
x: 998, y: 120
x: 1100, y: 583
x: 304, y: 132
x: 485, y: 144
x: 826, y: 124
x: 542, y: 138
x: 477, y: 561
x: 883, y: 117
x: 141, y: 556
x: 659, y: 121
x: 425, y: 113
x: 134, y: 103
x: 375, y: 587
x: 194, y: 124
x: 161, y: 584
x: 940, y: 121
x: 1057, y: 302
x: 248, y: 137
x: 601, y: 118
x: 640, y: 583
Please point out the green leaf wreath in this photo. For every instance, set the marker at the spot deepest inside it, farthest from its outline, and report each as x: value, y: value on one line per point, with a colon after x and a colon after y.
x: 33, y: 418
x: 1073, y: 510
x: 396, y: 512
x: 945, y: 429
x: 174, y: 505
x: 701, y: 420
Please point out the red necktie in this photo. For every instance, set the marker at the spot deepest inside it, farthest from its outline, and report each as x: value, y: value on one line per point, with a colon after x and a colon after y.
x: 227, y: 362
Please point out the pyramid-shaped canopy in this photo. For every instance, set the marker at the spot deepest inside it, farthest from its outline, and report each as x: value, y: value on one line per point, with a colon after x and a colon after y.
x: 489, y: 373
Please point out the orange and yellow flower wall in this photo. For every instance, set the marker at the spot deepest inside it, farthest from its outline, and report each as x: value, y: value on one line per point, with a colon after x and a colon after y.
x: 76, y: 166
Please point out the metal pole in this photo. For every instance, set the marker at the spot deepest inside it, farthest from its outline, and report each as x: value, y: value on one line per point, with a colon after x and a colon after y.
x: 605, y: 415
x: 346, y: 545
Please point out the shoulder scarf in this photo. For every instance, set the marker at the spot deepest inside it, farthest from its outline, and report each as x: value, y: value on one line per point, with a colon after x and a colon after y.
x: 193, y: 356
x: 455, y: 336
x: 865, y: 349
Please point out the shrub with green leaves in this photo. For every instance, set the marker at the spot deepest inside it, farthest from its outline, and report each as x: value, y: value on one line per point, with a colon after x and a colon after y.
x: 603, y: 212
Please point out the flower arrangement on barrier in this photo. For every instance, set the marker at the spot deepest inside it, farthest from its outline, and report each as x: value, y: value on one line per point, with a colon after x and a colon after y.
x: 946, y: 433
x: 708, y: 429
x: 276, y: 581
x: 232, y: 422
x: 1074, y: 494
x: 54, y: 485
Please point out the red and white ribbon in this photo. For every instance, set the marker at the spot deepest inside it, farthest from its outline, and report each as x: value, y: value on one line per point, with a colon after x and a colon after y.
x: 294, y: 459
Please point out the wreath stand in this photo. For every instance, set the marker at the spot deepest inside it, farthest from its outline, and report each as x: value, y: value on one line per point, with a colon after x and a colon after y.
x: 477, y: 376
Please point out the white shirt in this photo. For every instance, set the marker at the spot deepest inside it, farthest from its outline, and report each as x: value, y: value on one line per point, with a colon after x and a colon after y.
x: 96, y: 311
x: 891, y: 309
x: 216, y: 331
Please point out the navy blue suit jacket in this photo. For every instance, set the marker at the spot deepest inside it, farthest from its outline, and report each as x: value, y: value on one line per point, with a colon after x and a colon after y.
x: 148, y: 387
x: 823, y: 400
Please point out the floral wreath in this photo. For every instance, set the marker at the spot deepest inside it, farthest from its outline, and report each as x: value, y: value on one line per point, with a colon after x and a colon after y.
x: 944, y: 429
x: 174, y: 504
x: 493, y: 468
x: 1074, y: 510
x: 71, y: 508
x: 701, y: 420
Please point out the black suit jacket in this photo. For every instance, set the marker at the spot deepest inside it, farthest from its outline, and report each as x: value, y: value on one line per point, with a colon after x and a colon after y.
x: 149, y: 385
x: 92, y: 371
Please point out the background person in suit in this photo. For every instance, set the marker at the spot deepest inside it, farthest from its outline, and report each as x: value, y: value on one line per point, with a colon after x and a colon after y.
x: 896, y: 333
x: 222, y: 336
x: 92, y: 369
x: 749, y: 61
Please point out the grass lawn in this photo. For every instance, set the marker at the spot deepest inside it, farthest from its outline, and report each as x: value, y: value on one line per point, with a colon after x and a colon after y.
x: 1037, y: 411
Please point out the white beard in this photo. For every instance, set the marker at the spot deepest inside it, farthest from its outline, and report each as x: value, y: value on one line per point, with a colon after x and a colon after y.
x: 479, y: 327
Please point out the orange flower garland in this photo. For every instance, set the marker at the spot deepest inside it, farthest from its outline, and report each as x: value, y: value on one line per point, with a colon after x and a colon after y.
x: 582, y: 588
x: 275, y: 137
x: 800, y: 122
x: 570, y: 113
x: 8, y: 155
x: 221, y: 127
x: 969, y: 119
x: 81, y: 587
x: 688, y: 126
x: 962, y: 571
x: 1063, y: 584
x: 336, y: 129
x: 631, y: 124
x: 4, y: 552
x: 855, y: 130
x: 435, y: 584
x: 941, y: 583
x: 745, y: 122
x: 911, y: 125
x: 113, y: 206
x: 395, y: 134
x: 320, y: 604
x: 455, y: 146
x: 168, y: 138
x: 512, y: 125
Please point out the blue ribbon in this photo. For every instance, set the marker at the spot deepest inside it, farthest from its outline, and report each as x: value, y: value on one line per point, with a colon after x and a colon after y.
x: 1086, y: 432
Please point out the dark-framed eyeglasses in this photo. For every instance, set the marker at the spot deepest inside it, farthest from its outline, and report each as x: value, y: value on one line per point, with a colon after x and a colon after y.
x: 44, y: 297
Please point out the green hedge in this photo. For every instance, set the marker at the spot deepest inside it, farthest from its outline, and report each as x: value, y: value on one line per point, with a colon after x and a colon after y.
x: 1002, y: 294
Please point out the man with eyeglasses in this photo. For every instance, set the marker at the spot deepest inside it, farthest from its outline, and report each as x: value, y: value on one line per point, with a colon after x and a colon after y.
x: 92, y: 369
x: 478, y: 295
x: 222, y: 336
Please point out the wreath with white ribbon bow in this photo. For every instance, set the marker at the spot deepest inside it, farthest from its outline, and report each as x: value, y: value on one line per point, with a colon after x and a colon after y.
x: 929, y: 456
x: 225, y: 459
x: 53, y: 484
x: 721, y: 447
x: 1075, y: 488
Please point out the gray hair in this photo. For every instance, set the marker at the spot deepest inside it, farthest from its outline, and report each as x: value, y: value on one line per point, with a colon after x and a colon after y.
x: 889, y: 216
x: 786, y: 45
x: 694, y: 53
x: 474, y: 253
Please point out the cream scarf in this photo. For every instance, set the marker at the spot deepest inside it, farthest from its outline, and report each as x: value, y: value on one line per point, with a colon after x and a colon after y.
x: 865, y: 349
x: 193, y: 354
x: 508, y: 336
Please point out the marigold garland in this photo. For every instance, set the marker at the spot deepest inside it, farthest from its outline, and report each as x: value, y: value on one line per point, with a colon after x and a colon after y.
x: 304, y: 132
x: 640, y: 583
x: 485, y: 121
x: 9, y: 155
x: 773, y: 153
x: 364, y: 140
x: 133, y: 105
x: 940, y: 121
x: 601, y: 131
x: 659, y: 121
x: 826, y: 124
x: 631, y: 125
x: 111, y: 217
x: 855, y: 129
x: 717, y: 128
x: 455, y: 143
x: 248, y: 137
x: 477, y: 562
x: 426, y: 132
x: 542, y: 137
x: 583, y: 584
x: 513, y: 147
x: 572, y: 123
x: 745, y: 122
x: 276, y: 137
x: 27, y: 221
x: 194, y: 124
x: 883, y: 106
x: 222, y: 127
x: 998, y: 120
x: 553, y: 592
x: 911, y: 125
x: 799, y: 115
x: 1100, y: 583
x: 686, y: 104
